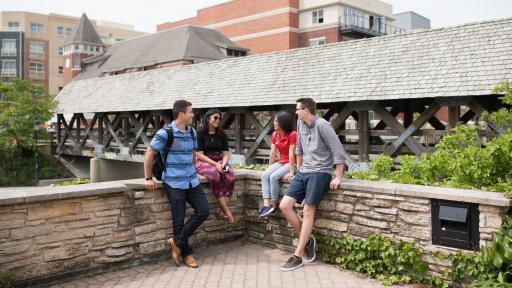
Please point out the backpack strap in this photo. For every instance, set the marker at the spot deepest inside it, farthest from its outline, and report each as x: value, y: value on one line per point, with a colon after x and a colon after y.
x: 170, y: 140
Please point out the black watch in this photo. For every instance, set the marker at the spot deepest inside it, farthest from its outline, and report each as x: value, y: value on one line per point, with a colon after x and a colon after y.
x: 149, y: 178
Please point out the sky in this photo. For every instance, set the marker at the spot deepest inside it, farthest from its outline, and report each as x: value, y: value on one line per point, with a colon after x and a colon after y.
x: 146, y: 14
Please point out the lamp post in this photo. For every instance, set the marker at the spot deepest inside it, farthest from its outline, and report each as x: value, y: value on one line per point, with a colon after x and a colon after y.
x: 36, y: 130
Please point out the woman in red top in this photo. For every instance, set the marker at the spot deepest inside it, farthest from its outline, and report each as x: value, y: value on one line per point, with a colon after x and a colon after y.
x: 284, y: 140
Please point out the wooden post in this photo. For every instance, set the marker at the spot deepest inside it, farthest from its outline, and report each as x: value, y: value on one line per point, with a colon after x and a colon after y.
x: 239, y: 135
x: 100, y: 129
x: 126, y: 130
x: 78, y: 122
x: 408, y: 118
x: 453, y: 116
x: 59, y: 122
x: 364, y: 136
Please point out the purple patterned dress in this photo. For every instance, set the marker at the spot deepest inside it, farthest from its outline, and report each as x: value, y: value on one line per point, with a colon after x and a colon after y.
x: 223, y: 184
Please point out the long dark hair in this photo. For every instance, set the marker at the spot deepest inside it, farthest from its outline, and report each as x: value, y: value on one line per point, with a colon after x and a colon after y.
x: 284, y: 119
x: 209, y: 114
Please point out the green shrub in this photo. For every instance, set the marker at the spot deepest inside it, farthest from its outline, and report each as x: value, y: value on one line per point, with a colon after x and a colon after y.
x: 380, y: 257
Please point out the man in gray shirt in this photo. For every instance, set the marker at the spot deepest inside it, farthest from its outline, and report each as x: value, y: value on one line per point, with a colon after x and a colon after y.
x: 318, y: 150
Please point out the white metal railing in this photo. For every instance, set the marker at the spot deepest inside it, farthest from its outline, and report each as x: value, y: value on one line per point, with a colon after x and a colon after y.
x: 373, y: 25
x: 9, y: 73
x: 38, y: 75
x: 9, y: 52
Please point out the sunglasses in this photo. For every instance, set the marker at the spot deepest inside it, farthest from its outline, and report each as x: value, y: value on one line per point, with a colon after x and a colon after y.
x: 216, y: 117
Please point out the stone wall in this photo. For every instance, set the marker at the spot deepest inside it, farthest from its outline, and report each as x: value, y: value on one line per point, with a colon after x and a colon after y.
x: 48, y: 233
x: 361, y: 208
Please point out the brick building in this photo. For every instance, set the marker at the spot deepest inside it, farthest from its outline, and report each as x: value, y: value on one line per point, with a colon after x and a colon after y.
x: 276, y: 25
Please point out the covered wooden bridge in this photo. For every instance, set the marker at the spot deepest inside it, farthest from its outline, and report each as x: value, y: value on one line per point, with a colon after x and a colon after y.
x: 392, y: 94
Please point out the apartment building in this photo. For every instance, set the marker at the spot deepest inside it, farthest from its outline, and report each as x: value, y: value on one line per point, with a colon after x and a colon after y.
x: 43, y: 37
x: 274, y: 25
x: 11, y: 55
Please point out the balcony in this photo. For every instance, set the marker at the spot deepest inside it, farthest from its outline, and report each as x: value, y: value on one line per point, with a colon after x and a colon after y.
x: 8, y: 52
x: 9, y: 73
x: 36, y: 75
x: 360, y: 27
x: 36, y: 55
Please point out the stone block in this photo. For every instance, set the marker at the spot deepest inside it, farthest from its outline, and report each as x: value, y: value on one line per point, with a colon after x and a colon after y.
x: 369, y: 222
x: 149, y: 237
x: 493, y: 209
x: 361, y: 207
x: 327, y: 205
x: 358, y: 194
x: 105, y: 203
x: 376, y: 215
x: 122, y: 244
x: 408, y: 230
x: 7, y: 222
x: 65, y: 251
x: 144, y: 201
x: 14, y: 247
x: 145, y: 229
x: 72, y: 234
x: 415, y: 218
x: 118, y: 251
x: 362, y: 231
x: 151, y: 247
x: 31, y: 231
x: 106, y: 259
x: 346, y: 208
x: 389, y: 197
x: 122, y: 235
x: 112, y: 220
x: 413, y: 206
x: 493, y: 220
x: 54, y: 209
x: 378, y: 203
x: 330, y: 224
x: 391, y: 211
x: 112, y: 212
x: 159, y: 207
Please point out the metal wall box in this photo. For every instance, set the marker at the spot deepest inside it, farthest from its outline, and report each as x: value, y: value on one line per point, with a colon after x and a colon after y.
x: 455, y: 224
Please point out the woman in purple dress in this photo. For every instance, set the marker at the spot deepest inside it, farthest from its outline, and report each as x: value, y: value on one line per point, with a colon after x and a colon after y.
x: 212, y: 162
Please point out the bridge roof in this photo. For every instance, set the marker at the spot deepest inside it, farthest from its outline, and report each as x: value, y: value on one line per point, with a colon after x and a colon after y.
x: 465, y: 60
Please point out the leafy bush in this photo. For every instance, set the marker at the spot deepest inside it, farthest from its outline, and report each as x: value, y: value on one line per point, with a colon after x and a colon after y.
x: 492, y: 267
x: 379, y: 257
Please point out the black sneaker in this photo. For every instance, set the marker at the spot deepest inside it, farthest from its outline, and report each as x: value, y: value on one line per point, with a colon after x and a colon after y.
x: 309, y: 250
x: 293, y: 263
x: 266, y: 210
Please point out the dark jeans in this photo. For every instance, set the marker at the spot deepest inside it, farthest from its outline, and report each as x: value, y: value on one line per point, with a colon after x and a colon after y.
x: 178, y: 198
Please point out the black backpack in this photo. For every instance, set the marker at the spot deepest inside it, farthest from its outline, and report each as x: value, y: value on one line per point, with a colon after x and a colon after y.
x: 160, y: 158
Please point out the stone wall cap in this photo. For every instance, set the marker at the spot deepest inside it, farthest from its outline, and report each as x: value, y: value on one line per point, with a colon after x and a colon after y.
x: 14, y: 195
x: 455, y: 194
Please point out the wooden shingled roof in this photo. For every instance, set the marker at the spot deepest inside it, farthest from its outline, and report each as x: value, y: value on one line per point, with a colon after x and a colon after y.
x: 465, y: 60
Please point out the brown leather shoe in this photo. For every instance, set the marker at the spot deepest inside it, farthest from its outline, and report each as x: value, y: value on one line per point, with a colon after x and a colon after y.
x: 190, y: 261
x: 175, y: 251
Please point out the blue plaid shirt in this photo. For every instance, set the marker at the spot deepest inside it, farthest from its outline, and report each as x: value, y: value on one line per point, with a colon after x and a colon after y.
x: 179, y: 168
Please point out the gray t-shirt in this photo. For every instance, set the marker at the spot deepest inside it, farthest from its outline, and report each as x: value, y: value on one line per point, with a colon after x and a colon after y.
x: 319, y: 146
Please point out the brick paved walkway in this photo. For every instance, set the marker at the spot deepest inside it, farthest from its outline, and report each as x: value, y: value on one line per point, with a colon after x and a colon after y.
x: 234, y: 264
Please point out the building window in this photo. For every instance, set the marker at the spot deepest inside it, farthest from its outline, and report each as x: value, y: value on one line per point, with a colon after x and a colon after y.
x: 318, y: 16
x: 235, y: 53
x: 61, y: 69
x: 68, y: 31
x: 97, y: 49
x: 9, y: 47
x: 36, y: 49
x: 36, y: 28
x: 76, y: 60
x: 36, y: 67
x: 77, y: 47
x: 8, y: 68
x: 61, y: 51
x: 60, y: 31
x: 354, y: 17
x: 91, y: 48
x: 13, y: 26
x: 317, y: 42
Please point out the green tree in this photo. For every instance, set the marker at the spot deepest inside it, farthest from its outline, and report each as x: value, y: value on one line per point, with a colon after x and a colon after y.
x: 22, y: 104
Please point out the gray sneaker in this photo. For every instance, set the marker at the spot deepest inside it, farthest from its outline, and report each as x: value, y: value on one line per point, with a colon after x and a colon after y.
x: 309, y: 250
x: 266, y: 210
x: 293, y: 263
